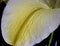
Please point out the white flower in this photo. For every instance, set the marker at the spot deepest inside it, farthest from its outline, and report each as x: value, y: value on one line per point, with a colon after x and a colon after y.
x: 27, y: 22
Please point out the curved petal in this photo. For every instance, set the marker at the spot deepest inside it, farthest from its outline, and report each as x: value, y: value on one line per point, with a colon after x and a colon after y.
x: 26, y: 24
x: 38, y: 27
x: 13, y: 18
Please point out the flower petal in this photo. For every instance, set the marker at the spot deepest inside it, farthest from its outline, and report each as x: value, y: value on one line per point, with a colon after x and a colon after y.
x: 39, y: 26
x: 26, y: 24
x: 13, y: 17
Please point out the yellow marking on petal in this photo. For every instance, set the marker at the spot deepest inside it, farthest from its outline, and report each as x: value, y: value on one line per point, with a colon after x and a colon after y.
x: 24, y: 23
x: 33, y: 30
x: 26, y: 35
x: 12, y: 20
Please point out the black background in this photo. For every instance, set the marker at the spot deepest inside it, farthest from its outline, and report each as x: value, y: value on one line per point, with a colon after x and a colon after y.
x: 45, y: 42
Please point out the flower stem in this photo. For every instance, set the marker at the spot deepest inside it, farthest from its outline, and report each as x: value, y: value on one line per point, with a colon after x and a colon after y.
x: 50, y: 41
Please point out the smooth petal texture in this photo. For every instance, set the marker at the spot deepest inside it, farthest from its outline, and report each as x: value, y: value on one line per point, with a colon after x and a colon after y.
x: 14, y: 16
x: 38, y: 27
x: 26, y: 23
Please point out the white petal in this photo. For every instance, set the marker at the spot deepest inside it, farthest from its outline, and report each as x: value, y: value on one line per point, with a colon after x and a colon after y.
x: 39, y: 27
x: 14, y: 16
x: 25, y: 24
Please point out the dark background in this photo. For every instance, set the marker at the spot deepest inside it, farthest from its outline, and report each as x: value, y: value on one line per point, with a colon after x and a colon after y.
x: 56, y: 36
